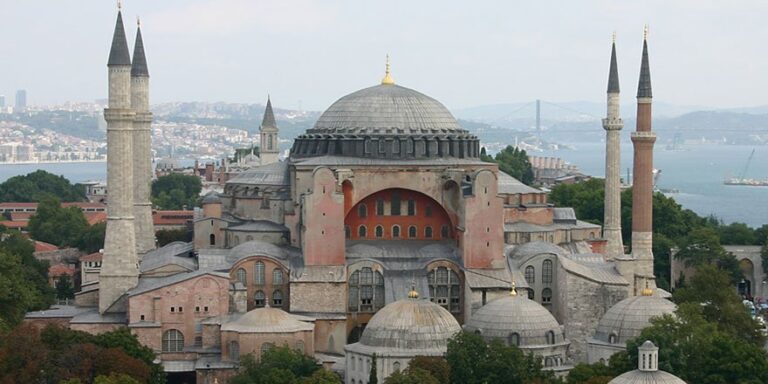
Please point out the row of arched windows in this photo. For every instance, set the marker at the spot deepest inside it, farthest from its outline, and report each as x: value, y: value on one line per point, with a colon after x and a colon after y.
x: 514, y: 337
x: 445, y: 288
x: 260, y: 299
x: 366, y: 290
x: 395, y: 231
x: 394, y: 208
x: 546, y: 273
x: 258, y: 275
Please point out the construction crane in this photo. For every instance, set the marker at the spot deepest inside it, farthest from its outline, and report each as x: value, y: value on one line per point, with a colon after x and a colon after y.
x: 743, y: 174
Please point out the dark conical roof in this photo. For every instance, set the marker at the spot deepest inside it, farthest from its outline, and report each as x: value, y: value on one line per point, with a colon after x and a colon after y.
x: 613, y: 75
x: 119, y: 54
x: 139, y: 66
x: 269, y: 116
x: 644, y: 86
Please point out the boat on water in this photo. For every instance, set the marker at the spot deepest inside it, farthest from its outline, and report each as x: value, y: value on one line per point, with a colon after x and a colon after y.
x: 742, y: 180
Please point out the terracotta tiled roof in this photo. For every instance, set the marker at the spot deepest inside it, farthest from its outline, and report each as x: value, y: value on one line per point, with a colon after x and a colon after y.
x: 172, y: 217
x: 60, y: 269
x: 14, y: 224
x: 41, y: 246
x: 96, y: 256
x: 95, y: 217
x: 21, y: 216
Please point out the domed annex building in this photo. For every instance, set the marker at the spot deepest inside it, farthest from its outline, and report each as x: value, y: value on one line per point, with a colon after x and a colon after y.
x: 317, y: 251
x: 648, y: 369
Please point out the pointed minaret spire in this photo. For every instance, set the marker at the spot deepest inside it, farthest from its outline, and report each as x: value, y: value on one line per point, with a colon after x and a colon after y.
x: 613, y: 74
x: 644, y: 85
x: 268, y: 149
x: 269, y: 116
x: 139, y: 66
x: 119, y: 54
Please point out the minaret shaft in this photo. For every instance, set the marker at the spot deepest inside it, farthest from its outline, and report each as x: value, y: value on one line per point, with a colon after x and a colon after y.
x: 613, y: 125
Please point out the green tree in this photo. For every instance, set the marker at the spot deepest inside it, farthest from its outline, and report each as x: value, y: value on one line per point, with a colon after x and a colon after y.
x: 64, y: 288
x: 33, y: 271
x: 512, y: 161
x: 278, y: 365
x: 590, y: 374
x: 710, y: 289
x: 702, y: 247
x: 92, y: 238
x: 167, y: 236
x: 57, y: 225
x: 764, y: 258
x: 736, y: 234
x: 176, y: 191
x: 435, y: 365
x: 17, y: 294
x: 587, y: 199
x: 761, y: 235
x: 37, y: 186
x: 411, y: 376
x: 373, y: 377
x: 322, y: 376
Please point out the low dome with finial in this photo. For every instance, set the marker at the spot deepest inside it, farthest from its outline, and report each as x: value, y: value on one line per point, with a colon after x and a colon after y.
x: 627, y: 318
x: 647, y: 371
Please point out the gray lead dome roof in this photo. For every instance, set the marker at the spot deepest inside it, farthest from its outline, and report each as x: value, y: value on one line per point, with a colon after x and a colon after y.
x: 645, y: 377
x: 387, y: 121
x: 627, y: 318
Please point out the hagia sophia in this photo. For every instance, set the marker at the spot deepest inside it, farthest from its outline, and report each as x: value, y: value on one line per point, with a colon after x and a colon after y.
x: 381, y: 234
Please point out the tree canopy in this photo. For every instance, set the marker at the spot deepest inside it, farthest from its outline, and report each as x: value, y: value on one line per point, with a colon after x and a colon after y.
x: 176, y: 191
x: 512, y: 161
x: 38, y: 185
x: 23, y: 280
x: 281, y: 365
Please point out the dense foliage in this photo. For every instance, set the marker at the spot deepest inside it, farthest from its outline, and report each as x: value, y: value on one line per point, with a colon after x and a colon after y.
x: 282, y: 365
x: 38, y: 185
x: 23, y: 280
x: 512, y: 161
x: 176, y: 191
x: 65, y: 227
x: 167, y: 236
x: 54, y: 354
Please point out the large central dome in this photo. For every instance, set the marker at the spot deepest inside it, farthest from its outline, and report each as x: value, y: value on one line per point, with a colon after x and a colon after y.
x: 387, y: 121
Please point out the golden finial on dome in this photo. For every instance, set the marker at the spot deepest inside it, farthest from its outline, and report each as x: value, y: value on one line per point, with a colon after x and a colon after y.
x: 513, y: 291
x: 647, y: 291
x: 119, y: 5
x: 413, y: 294
x: 387, y: 80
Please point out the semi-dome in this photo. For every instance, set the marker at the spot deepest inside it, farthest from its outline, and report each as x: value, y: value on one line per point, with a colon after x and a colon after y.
x: 410, y: 324
x: 266, y: 320
x: 627, y: 318
x: 516, y: 315
x: 387, y: 121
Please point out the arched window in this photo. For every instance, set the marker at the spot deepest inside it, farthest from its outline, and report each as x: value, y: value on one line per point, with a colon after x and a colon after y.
x: 412, y: 232
x: 394, y: 207
x: 550, y: 337
x: 266, y: 347
x: 395, y: 231
x: 612, y: 338
x: 445, y: 232
x: 362, y: 231
x: 277, y: 277
x: 299, y: 346
x: 249, y: 238
x: 259, y: 299
x: 530, y: 275
x: 546, y: 295
x: 366, y: 290
x: 548, y: 361
x: 445, y: 288
x: 546, y: 272
x: 531, y: 294
x: 428, y: 232
x: 362, y: 211
x: 237, y: 240
x: 396, y: 366
x: 269, y: 141
x: 277, y: 298
x: 514, y: 339
x: 428, y: 211
x: 241, y: 276
x: 379, y: 207
x: 173, y: 341
x: 234, y: 351
x: 258, y: 273
x: 411, y: 207
x: 347, y: 232
x: 379, y: 231
x: 212, y: 239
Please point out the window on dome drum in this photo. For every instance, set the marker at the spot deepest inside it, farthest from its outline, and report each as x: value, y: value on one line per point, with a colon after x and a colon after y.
x: 237, y: 240
x: 362, y: 231
x: 277, y: 276
x: 412, y: 231
x: 428, y: 211
x: 362, y: 211
x: 445, y: 288
x: 396, y: 366
x: 249, y: 238
x: 379, y: 231
x: 269, y: 141
x: 395, y: 231
x: 411, y: 207
x: 240, y: 275
x: 258, y: 273
x: 212, y: 239
x: 531, y: 294
x: 379, y: 207
x: 277, y: 298
x: 546, y: 272
x: 266, y: 347
x: 366, y: 290
x: 347, y: 232
x: 612, y: 338
x: 259, y: 299
x: 550, y: 337
x: 428, y: 232
x: 444, y: 232
x: 530, y: 275
x: 234, y: 351
x: 546, y: 296
x: 173, y: 341
x: 514, y: 339
x: 394, y: 209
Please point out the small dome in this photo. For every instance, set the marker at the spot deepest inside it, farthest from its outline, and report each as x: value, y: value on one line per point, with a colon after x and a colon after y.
x: 627, y: 318
x: 640, y: 377
x: 267, y: 320
x: 211, y: 198
x: 255, y: 248
x: 501, y: 318
x: 411, y: 324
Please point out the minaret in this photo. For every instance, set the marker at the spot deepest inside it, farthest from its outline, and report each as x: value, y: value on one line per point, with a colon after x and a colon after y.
x: 268, y: 150
x: 142, y: 144
x: 613, y: 125
x: 120, y: 267
x: 642, y: 187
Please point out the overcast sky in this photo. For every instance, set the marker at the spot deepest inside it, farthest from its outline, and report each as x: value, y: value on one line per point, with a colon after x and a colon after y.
x: 463, y: 53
